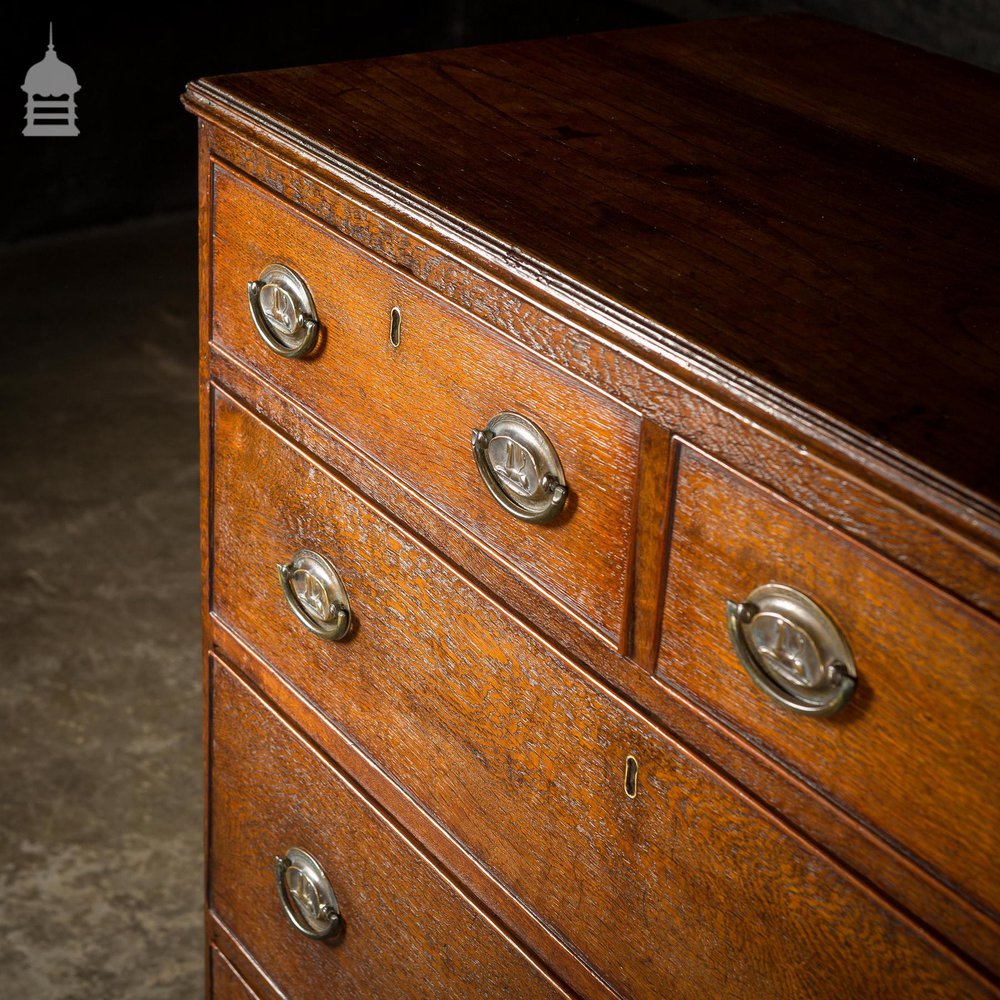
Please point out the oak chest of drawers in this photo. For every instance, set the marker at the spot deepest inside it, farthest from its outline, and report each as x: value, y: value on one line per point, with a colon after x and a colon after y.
x: 600, y: 520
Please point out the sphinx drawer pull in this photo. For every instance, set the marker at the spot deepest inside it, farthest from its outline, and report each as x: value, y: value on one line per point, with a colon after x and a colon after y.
x: 282, y: 310
x: 520, y: 467
x: 306, y: 895
x: 792, y: 650
x: 316, y: 594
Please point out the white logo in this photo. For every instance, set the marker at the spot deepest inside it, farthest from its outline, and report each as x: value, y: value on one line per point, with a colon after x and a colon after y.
x: 51, y: 88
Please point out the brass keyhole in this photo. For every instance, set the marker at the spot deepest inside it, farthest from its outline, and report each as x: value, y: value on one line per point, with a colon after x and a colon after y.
x: 631, y: 776
x: 395, y: 326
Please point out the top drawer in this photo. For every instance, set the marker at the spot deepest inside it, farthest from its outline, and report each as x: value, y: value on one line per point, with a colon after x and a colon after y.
x: 913, y: 751
x: 414, y: 407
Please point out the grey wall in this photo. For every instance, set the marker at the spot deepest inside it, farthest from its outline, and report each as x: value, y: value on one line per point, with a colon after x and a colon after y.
x: 964, y: 29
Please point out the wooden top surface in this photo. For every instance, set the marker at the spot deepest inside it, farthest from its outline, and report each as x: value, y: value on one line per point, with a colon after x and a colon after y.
x: 787, y: 202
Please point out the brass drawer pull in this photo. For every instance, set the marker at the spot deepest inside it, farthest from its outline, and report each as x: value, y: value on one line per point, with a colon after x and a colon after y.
x: 306, y: 895
x: 520, y: 467
x: 316, y: 594
x: 282, y: 310
x: 792, y: 650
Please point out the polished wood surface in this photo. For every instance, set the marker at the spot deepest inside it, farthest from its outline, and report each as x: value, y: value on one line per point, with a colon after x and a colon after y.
x: 523, y: 759
x: 910, y: 518
x: 818, y: 267
x: 449, y: 375
x: 851, y: 82
x: 407, y: 932
x: 924, y: 724
x: 227, y: 983
x: 739, y: 279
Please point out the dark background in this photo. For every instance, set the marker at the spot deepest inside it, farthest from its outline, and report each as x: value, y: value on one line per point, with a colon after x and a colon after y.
x: 135, y: 155
x: 100, y: 664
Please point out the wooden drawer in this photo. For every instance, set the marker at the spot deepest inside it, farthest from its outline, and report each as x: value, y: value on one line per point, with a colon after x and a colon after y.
x: 915, y: 751
x: 407, y: 932
x: 227, y: 983
x: 523, y: 757
x: 413, y: 408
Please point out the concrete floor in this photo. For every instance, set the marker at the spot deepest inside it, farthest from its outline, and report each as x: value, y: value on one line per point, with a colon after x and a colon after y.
x: 100, y: 719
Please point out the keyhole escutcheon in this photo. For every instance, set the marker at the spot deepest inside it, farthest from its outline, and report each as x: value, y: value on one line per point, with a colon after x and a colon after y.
x: 631, y: 776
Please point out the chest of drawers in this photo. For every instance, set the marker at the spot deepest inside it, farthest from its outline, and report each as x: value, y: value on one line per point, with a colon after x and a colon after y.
x: 600, y: 525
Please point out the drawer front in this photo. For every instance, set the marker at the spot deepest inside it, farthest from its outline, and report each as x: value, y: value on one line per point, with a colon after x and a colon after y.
x: 915, y: 749
x: 413, y: 408
x: 405, y: 932
x: 227, y: 983
x: 685, y: 888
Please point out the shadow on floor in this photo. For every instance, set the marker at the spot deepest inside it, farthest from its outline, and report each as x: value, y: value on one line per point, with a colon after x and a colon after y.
x: 100, y: 719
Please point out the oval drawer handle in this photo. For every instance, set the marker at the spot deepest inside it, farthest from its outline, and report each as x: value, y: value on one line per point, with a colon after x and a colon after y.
x: 316, y: 594
x: 306, y: 895
x: 792, y: 650
x: 282, y: 311
x: 520, y: 467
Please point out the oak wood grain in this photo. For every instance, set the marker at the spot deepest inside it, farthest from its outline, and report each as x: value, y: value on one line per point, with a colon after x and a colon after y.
x: 932, y: 905
x: 915, y: 751
x: 221, y: 940
x: 521, y: 756
x: 787, y: 60
x: 840, y: 276
x: 205, y: 478
x: 227, y: 983
x: 724, y: 217
x: 821, y: 484
x: 907, y: 513
x: 355, y: 762
x: 406, y: 931
x: 448, y: 376
x: 649, y: 560
x: 859, y: 845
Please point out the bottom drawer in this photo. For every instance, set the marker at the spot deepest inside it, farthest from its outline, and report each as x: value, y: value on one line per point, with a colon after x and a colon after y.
x: 403, y: 931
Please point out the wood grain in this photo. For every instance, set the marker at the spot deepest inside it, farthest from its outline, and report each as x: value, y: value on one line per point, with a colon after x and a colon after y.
x: 407, y: 932
x: 227, y: 983
x: 353, y: 759
x: 205, y: 479
x: 909, y: 513
x: 521, y: 757
x: 915, y: 752
x: 840, y: 277
x: 861, y: 847
x: 649, y: 560
x: 787, y: 60
x: 449, y: 375
x: 221, y: 940
x: 772, y: 238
